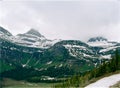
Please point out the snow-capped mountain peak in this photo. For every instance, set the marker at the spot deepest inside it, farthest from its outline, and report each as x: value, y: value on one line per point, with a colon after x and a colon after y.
x: 100, y: 42
x: 98, y: 39
x: 34, y: 32
x: 33, y: 38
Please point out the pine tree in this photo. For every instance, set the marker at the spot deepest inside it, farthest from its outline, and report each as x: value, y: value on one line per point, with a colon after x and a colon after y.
x: 116, y: 58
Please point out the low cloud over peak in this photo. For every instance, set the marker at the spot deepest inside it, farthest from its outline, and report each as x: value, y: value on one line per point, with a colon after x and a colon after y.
x: 63, y: 19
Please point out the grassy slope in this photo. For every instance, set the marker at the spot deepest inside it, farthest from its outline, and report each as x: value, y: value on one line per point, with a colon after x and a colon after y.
x: 10, y: 83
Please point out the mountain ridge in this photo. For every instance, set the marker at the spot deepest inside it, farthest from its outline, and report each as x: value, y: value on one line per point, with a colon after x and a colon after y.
x: 60, y: 55
x: 31, y: 38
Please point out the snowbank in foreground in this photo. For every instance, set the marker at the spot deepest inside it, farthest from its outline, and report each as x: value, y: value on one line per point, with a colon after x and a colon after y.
x: 105, y: 82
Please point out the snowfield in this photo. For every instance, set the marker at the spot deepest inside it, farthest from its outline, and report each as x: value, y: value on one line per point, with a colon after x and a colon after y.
x: 105, y: 82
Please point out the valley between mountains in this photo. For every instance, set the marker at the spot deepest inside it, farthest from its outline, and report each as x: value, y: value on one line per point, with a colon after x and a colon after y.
x: 32, y: 56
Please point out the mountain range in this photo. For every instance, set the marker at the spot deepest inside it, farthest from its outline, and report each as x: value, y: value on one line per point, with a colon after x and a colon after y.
x: 32, y: 54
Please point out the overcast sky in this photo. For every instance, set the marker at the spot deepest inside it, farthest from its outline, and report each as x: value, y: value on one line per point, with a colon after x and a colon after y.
x: 63, y: 19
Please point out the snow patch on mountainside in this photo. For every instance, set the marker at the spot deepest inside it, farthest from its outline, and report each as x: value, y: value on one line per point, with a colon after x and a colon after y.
x: 23, y: 65
x: 75, y: 46
x: 105, y: 56
x: 78, y: 51
x: 86, y: 55
x: 71, y: 49
x: 50, y: 62
x: 105, y: 82
x: 109, y: 48
x: 103, y: 44
x: 81, y: 52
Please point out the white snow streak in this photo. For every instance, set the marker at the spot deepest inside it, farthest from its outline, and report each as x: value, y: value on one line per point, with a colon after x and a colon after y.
x: 101, y: 44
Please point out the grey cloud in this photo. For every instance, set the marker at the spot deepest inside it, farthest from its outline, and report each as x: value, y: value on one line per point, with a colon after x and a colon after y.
x: 63, y: 19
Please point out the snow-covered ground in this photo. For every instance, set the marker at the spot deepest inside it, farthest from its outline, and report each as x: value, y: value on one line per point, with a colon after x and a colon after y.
x: 105, y: 82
